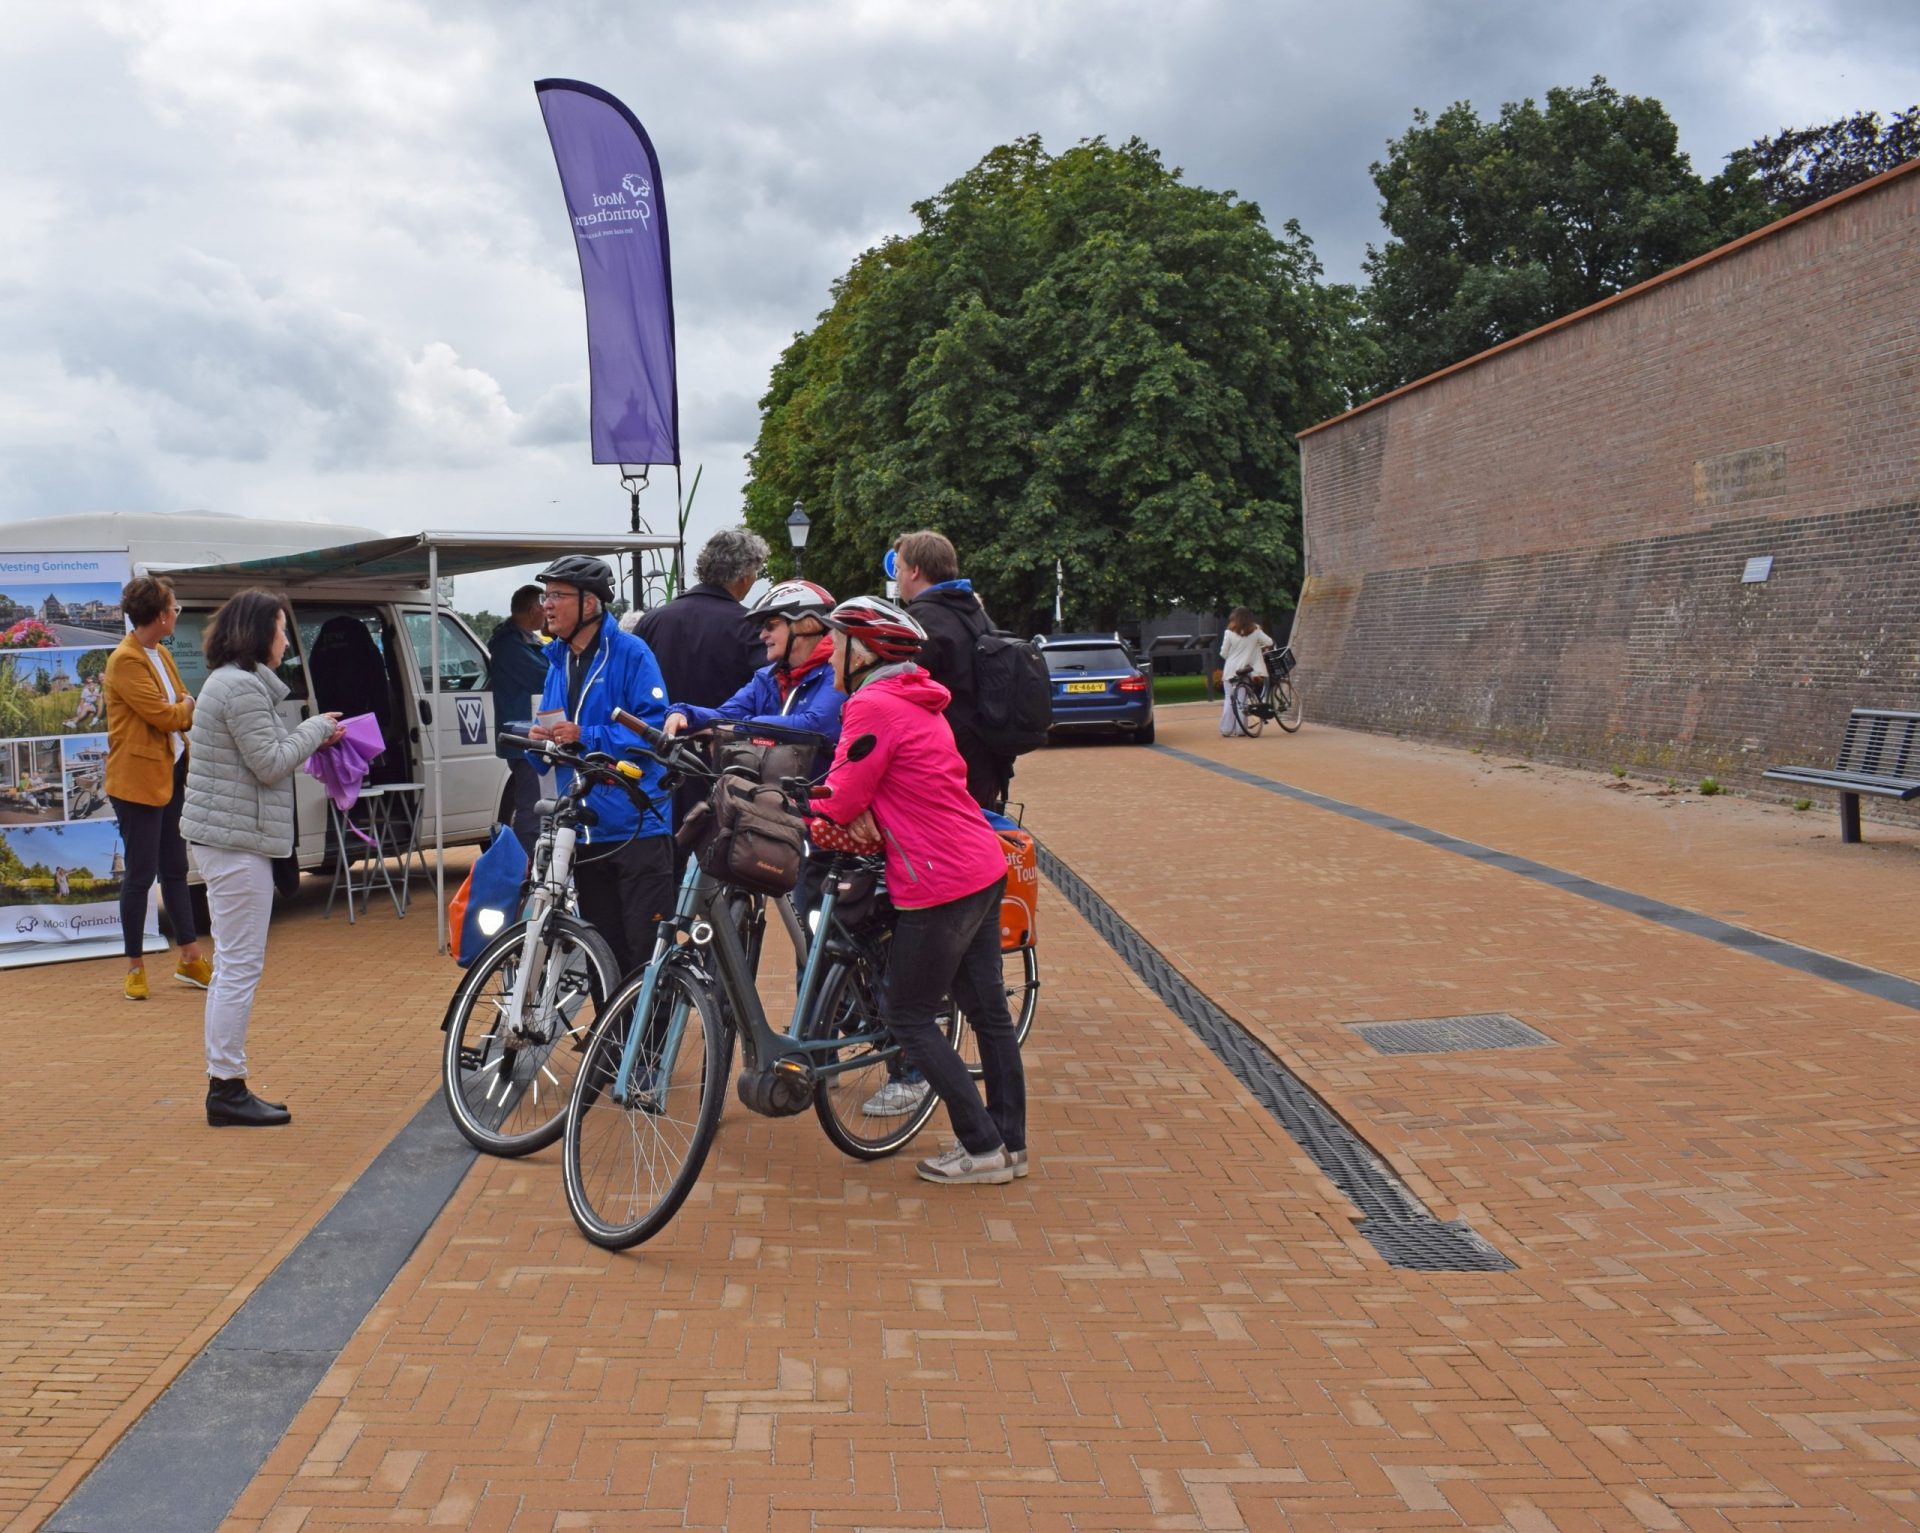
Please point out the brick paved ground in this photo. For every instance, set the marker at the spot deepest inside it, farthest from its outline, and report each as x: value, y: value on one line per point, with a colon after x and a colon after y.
x: 1171, y: 1323
x: 133, y: 1231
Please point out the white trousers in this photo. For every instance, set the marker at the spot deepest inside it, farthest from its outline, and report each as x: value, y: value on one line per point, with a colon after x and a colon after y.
x: 240, y: 901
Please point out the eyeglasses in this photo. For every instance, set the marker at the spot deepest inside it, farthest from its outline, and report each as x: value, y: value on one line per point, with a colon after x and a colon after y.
x: 547, y: 598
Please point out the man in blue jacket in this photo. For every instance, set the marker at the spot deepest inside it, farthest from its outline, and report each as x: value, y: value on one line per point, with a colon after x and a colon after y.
x: 623, y: 871
x: 518, y: 674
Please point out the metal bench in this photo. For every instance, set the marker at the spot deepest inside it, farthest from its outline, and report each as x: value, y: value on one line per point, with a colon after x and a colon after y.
x: 1879, y: 754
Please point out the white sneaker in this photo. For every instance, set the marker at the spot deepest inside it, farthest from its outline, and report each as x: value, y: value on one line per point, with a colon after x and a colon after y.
x: 960, y: 1165
x: 895, y: 1099
x: 1018, y: 1160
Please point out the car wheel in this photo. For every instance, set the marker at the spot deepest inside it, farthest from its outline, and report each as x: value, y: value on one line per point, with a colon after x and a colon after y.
x: 1144, y: 736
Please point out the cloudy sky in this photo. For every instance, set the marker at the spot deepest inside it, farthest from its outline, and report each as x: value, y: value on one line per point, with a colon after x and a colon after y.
x: 309, y: 259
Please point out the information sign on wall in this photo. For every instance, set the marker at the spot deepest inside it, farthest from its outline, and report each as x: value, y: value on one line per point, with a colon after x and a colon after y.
x: 61, y: 859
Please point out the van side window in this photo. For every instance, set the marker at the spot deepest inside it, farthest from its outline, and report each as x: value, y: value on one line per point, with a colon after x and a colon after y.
x: 190, y: 656
x: 463, y: 663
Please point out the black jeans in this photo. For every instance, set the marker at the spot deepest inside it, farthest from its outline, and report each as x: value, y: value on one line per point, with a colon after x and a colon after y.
x: 151, y: 835
x: 524, y: 820
x: 956, y: 947
x: 624, y: 891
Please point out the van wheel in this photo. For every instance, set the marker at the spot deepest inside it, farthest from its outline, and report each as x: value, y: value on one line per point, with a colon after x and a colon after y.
x: 286, y: 877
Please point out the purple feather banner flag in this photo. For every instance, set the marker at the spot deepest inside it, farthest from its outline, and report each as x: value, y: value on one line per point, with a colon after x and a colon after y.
x: 611, y: 178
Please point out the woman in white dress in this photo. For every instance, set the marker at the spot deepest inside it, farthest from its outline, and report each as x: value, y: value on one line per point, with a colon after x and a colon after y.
x: 1244, y: 644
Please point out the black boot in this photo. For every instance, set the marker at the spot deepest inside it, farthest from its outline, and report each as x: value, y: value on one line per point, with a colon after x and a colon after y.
x: 231, y: 1105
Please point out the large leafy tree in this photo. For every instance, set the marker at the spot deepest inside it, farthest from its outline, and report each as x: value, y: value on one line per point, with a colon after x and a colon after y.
x: 1798, y: 167
x: 1498, y: 227
x: 1076, y: 357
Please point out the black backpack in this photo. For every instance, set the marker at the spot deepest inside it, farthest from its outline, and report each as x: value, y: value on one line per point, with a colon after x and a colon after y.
x: 1012, y: 694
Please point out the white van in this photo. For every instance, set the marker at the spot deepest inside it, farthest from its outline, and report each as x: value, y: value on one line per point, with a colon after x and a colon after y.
x: 362, y: 620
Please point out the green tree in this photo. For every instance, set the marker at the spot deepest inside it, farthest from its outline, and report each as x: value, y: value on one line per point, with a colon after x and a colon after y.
x: 482, y: 622
x: 1798, y: 167
x: 92, y: 662
x: 1077, y: 357
x: 1498, y: 227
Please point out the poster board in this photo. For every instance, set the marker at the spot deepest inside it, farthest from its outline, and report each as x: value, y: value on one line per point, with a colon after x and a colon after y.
x: 61, y: 859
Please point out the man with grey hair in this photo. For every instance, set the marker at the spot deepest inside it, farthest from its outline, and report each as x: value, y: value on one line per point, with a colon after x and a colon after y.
x: 707, y: 646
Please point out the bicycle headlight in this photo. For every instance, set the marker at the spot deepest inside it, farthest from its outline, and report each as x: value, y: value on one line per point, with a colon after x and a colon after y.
x: 490, y: 921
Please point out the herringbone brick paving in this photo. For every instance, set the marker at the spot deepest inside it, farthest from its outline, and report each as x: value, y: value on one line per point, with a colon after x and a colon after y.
x: 1171, y: 1323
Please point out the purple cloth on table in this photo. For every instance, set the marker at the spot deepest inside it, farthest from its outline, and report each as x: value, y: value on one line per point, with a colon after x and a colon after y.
x: 341, y: 768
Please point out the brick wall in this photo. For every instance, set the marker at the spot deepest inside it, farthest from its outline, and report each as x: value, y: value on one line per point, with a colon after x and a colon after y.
x: 1543, y: 548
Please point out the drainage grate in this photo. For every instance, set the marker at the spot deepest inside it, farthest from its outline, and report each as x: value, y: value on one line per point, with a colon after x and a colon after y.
x: 1452, y: 1035
x: 1401, y: 1228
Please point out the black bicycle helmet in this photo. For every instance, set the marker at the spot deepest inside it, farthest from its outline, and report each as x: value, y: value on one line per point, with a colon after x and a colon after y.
x: 584, y: 571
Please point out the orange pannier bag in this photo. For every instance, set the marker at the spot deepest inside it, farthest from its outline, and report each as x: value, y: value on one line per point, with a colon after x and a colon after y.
x: 1020, y: 904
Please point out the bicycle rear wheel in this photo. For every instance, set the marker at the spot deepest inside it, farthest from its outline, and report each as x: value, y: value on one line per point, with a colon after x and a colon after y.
x: 866, y: 1110
x: 1244, y: 717
x: 508, y: 1090
x: 1023, y: 999
x: 629, y: 1166
x: 1288, y: 709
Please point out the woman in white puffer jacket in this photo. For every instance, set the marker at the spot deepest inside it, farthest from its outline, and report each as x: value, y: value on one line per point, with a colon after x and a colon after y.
x: 238, y: 816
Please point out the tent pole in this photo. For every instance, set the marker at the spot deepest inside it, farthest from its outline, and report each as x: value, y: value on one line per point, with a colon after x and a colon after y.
x: 433, y: 736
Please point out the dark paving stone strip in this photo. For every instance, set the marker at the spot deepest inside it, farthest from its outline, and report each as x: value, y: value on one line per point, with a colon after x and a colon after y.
x: 1401, y: 1227
x: 1877, y: 983
x: 186, y: 1461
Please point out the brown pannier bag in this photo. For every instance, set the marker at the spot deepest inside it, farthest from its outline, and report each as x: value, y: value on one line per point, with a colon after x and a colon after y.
x: 757, y: 842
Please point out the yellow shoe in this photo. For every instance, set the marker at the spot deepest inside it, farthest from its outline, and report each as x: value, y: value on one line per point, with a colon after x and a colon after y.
x: 199, y: 973
x: 136, y: 987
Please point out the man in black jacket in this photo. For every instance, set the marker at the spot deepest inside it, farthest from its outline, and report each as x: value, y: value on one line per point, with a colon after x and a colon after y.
x: 708, y: 645
x: 927, y: 571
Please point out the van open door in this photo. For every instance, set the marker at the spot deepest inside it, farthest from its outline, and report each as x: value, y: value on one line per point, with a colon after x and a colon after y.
x: 471, y: 774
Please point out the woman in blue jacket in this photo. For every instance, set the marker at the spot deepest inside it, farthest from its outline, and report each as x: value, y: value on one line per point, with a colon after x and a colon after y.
x: 795, y: 688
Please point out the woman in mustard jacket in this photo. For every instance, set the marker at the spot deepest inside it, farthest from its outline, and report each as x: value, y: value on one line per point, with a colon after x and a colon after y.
x: 148, y: 713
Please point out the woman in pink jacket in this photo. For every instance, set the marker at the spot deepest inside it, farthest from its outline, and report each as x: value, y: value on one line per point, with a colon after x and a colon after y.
x: 945, y: 873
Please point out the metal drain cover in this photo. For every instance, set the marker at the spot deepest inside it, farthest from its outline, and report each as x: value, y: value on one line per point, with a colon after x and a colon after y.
x: 1452, y: 1035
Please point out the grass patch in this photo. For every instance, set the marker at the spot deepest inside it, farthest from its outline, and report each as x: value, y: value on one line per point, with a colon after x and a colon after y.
x: 1803, y: 804
x: 1180, y: 689
x: 1710, y: 786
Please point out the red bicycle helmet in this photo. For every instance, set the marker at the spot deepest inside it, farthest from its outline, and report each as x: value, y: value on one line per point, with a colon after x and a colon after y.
x: 885, y: 630
x: 792, y: 599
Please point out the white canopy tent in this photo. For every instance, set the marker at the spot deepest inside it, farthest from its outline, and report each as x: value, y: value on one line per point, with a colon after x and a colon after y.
x: 423, y: 558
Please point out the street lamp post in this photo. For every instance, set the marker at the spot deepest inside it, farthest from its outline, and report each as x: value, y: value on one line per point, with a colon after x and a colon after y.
x: 797, y: 528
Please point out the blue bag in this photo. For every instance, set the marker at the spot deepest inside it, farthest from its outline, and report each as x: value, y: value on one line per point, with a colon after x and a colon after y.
x: 493, y: 894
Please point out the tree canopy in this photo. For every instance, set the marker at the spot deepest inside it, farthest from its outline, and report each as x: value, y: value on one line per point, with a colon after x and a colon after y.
x: 1077, y: 357
x: 1798, y: 167
x: 1498, y: 227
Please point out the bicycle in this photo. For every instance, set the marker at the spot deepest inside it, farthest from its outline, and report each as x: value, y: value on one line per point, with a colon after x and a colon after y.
x: 1275, y: 696
x: 519, y: 1020
x: 646, y: 1103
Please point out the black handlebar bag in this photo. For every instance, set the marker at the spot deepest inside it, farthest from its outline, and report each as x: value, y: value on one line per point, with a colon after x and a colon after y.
x: 757, y: 843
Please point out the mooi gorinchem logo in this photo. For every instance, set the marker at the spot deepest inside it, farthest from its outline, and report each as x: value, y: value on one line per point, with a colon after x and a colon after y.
x: 631, y: 203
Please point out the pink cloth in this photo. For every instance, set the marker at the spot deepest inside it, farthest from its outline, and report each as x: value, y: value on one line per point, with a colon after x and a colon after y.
x: 939, y: 847
x: 341, y: 768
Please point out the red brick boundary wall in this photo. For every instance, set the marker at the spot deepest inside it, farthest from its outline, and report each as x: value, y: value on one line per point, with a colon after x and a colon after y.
x: 1542, y: 548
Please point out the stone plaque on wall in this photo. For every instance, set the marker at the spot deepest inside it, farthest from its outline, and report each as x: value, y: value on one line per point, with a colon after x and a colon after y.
x: 1731, y: 477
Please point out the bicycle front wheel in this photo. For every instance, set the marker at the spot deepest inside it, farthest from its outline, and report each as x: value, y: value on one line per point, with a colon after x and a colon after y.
x: 1288, y: 709
x: 507, y: 1087
x: 1244, y: 718
x: 628, y: 1166
x: 867, y: 1105
x: 1023, y: 999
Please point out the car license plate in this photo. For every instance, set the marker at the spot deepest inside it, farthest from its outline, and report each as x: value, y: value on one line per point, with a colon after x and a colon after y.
x: 1086, y: 686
